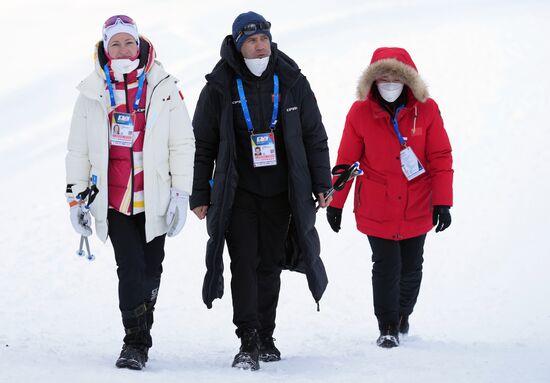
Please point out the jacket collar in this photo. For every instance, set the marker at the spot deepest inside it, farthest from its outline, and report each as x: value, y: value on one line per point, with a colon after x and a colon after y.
x: 93, y: 86
x: 232, y: 64
x: 379, y: 111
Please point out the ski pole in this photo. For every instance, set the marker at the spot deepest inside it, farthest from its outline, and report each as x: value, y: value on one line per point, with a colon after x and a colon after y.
x: 87, y: 253
x: 345, y: 173
x: 90, y: 256
x: 89, y: 194
x: 80, y: 251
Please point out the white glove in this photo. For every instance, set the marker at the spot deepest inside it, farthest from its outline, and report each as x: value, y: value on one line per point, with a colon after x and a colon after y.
x: 80, y: 217
x: 177, y: 211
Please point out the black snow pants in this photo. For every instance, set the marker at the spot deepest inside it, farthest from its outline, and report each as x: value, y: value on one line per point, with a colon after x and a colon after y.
x: 255, y: 240
x: 139, y: 271
x: 396, y: 277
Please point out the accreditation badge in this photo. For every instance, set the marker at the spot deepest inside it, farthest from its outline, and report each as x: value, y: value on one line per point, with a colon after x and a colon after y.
x: 263, y: 149
x: 410, y: 164
x: 122, y: 130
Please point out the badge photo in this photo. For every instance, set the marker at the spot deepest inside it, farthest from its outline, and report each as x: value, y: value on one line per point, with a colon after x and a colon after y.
x: 122, y: 130
x: 263, y: 149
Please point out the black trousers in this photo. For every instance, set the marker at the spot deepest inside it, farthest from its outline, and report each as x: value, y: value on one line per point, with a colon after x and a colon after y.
x: 139, y: 271
x: 255, y: 240
x: 396, y: 276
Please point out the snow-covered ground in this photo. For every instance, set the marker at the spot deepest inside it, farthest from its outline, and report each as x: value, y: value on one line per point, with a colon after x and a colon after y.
x: 483, y: 312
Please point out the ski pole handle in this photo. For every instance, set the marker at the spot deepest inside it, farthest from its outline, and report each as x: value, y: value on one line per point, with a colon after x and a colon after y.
x: 345, y: 173
x: 327, y: 195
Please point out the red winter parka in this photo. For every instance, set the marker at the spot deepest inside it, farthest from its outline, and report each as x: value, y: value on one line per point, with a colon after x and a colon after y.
x: 387, y: 205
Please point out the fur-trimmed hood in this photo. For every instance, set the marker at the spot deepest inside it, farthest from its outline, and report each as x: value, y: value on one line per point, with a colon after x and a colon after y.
x: 396, y: 62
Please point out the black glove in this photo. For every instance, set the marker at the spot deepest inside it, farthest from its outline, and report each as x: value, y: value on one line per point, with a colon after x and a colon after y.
x: 442, y: 215
x: 334, y: 218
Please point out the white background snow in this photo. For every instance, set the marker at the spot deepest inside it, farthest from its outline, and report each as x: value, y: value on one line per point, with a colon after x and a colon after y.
x: 483, y: 314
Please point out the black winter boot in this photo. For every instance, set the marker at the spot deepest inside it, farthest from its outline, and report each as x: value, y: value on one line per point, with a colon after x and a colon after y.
x: 132, y: 357
x: 137, y: 340
x: 404, y: 324
x: 247, y: 358
x: 389, y: 336
x: 268, y: 351
x: 149, y: 320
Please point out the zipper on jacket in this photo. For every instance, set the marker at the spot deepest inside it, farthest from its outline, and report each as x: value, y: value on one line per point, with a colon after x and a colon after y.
x: 259, y: 92
x: 151, y: 97
x: 359, y: 194
x: 131, y: 148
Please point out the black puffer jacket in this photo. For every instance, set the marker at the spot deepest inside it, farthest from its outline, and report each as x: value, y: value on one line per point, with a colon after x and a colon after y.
x: 305, y: 143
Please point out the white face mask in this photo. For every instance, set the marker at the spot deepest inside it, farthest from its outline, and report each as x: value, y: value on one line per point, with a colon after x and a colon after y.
x: 257, y: 66
x: 124, y: 66
x: 389, y: 91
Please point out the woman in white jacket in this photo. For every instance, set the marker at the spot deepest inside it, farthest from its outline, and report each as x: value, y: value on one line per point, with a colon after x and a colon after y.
x: 131, y: 138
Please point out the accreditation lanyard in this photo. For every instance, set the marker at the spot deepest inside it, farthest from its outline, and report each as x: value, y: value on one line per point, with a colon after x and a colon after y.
x: 262, y: 144
x: 396, y: 127
x: 141, y: 79
x: 122, y: 124
x: 410, y: 164
x: 244, y: 104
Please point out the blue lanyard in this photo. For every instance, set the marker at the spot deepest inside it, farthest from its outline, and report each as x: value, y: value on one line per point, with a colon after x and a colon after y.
x: 396, y: 127
x: 244, y: 104
x: 112, y: 93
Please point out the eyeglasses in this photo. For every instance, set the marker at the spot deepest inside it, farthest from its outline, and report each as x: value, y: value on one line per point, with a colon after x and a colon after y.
x: 116, y: 19
x: 250, y: 29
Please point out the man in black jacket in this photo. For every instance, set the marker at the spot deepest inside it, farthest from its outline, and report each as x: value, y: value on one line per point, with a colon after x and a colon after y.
x: 256, y: 98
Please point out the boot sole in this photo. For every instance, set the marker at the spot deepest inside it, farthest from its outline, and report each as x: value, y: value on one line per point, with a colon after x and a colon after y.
x: 246, y: 366
x: 387, y: 341
x: 129, y: 363
x: 269, y: 358
x: 245, y: 362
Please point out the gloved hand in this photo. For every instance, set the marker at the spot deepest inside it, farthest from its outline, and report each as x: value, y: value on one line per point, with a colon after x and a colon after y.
x: 334, y: 218
x: 442, y: 215
x: 80, y: 216
x: 177, y: 211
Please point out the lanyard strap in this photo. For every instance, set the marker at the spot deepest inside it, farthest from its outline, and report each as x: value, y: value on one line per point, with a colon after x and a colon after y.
x: 244, y: 104
x: 141, y: 79
x: 109, y: 85
x: 396, y: 127
x: 275, y: 102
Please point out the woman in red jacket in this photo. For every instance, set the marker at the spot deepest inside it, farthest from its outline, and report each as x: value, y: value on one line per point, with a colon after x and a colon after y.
x: 396, y: 133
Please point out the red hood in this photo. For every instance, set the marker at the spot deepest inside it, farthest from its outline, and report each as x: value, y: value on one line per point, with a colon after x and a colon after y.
x: 399, y: 54
x: 395, y: 61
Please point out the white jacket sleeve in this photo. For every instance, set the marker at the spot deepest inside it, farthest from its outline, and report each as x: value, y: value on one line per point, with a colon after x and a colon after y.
x: 181, y: 145
x: 77, y: 163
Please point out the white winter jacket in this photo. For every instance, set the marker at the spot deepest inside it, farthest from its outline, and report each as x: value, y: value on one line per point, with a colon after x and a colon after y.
x: 168, y: 149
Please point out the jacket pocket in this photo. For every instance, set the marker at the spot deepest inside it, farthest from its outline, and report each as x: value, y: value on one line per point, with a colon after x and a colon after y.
x: 163, y: 188
x: 357, y: 196
x: 419, y: 198
x: 371, y: 199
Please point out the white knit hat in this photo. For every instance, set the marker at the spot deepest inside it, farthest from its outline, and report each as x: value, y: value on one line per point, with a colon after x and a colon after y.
x: 119, y: 24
